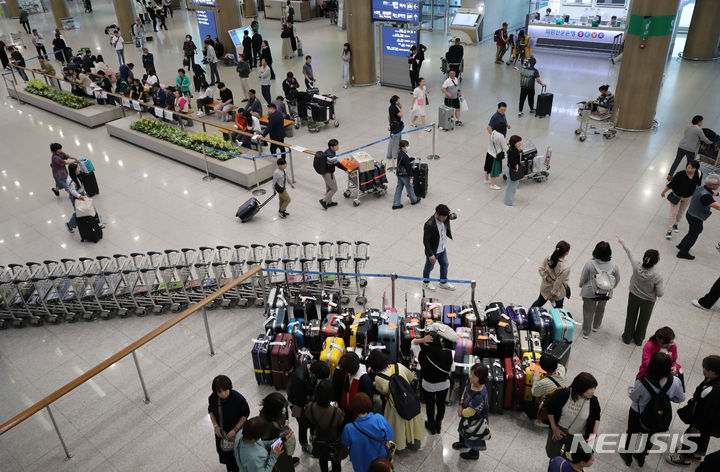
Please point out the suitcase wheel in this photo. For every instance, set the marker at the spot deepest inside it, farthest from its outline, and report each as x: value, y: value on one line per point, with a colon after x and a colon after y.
x: 361, y: 300
x: 346, y: 194
x: 243, y: 302
x: 356, y: 203
x: 336, y: 124
x: 88, y: 316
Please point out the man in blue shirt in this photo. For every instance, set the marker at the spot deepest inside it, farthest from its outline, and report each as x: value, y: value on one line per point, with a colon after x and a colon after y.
x: 499, y: 120
x: 159, y: 96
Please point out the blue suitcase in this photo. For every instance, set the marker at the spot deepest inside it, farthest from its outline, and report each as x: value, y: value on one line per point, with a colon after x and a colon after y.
x: 295, y: 327
x: 451, y: 317
x: 541, y: 321
x: 518, y: 314
x: 261, y: 359
x: 276, y: 320
x: 388, y: 334
x: 563, y: 325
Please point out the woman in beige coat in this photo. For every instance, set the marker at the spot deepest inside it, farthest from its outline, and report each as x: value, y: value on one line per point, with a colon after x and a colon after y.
x: 555, y: 273
x: 408, y: 433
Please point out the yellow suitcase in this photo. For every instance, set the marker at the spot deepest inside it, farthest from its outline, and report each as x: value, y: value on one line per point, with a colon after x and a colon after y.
x: 332, y: 351
x: 358, y: 321
x: 532, y: 371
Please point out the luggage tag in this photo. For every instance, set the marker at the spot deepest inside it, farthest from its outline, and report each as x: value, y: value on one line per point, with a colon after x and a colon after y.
x: 452, y: 315
x: 304, y: 299
x: 278, y: 343
x: 392, y: 325
x: 502, y: 324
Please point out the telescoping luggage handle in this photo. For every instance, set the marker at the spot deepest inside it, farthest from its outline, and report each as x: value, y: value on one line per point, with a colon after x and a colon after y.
x: 543, y: 89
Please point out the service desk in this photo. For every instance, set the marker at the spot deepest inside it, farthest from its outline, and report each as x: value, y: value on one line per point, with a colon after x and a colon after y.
x: 304, y: 11
x: 575, y: 36
x: 274, y: 9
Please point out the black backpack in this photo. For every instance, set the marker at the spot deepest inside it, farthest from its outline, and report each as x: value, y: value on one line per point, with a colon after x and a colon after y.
x: 404, y: 397
x: 496, y: 36
x: 657, y: 415
x: 320, y: 163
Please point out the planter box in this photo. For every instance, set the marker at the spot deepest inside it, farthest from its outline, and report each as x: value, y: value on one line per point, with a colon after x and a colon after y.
x: 237, y: 170
x: 92, y: 116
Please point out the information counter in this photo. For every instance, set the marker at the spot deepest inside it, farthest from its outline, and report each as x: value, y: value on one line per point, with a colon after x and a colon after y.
x: 576, y: 37
x: 274, y: 9
x: 304, y: 11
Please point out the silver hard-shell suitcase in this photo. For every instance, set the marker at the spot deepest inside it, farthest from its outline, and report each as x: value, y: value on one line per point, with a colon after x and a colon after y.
x: 446, y: 118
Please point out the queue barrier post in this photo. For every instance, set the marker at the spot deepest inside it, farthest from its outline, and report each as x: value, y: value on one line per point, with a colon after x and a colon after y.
x: 473, y: 284
x: 14, y: 84
x: 142, y: 380
x: 433, y: 155
x: 68, y: 456
x: 207, y: 176
x: 292, y: 169
x: 258, y: 191
x: 207, y: 331
x: 393, y: 278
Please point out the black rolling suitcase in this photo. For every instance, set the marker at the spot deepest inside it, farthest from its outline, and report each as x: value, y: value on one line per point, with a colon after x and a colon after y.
x: 420, y: 178
x: 544, y: 104
x: 89, y: 228
x: 250, y: 208
x: 495, y: 384
x: 560, y: 350
x: 89, y: 181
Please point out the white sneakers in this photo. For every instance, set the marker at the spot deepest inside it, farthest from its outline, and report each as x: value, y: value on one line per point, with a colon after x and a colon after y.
x: 447, y: 286
x: 487, y: 181
x: 443, y: 285
x: 696, y: 303
x: 494, y: 187
x: 200, y: 114
x: 429, y: 286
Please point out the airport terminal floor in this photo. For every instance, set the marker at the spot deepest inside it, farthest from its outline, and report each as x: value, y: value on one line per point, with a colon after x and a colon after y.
x: 596, y: 190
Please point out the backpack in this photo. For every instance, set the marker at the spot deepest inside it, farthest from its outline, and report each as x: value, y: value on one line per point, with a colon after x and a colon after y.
x: 542, y: 413
x: 603, y: 281
x: 404, y: 397
x: 527, y: 78
x: 496, y: 36
x: 657, y: 415
x: 320, y: 162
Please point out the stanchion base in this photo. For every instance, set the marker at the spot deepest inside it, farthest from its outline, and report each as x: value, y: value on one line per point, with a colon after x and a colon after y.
x: 258, y: 191
x: 208, y: 178
x: 433, y: 156
x: 68, y: 457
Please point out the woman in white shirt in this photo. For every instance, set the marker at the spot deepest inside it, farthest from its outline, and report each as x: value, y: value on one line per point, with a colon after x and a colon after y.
x: 205, y: 98
x: 418, y: 106
x: 497, y: 148
x: 151, y: 78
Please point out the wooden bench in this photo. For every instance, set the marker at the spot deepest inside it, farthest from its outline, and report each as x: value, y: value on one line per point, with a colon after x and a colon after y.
x: 264, y: 121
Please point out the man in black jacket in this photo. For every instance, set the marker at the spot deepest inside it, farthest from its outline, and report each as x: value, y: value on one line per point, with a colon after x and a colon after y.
x: 436, y: 232
x: 300, y: 391
x: 415, y: 60
x: 454, y: 57
x: 275, y: 128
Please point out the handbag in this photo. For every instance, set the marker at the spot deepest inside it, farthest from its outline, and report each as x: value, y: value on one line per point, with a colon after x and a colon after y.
x: 389, y: 445
x: 478, y: 429
x: 567, y: 291
x: 226, y: 444
x: 396, y: 127
x: 84, y: 207
x: 336, y: 450
x: 686, y: 412
x: 463, y: 104
x: 673, y: 198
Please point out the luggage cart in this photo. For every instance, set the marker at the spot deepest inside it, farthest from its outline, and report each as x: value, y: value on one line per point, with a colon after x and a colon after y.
x: 321, y: 111
x: 537, y: 167
x: 446, y: 67
x: 365, y: 183
x: 595, y: 122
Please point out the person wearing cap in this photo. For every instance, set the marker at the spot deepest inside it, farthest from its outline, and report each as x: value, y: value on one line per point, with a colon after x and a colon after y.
x: 436, y: 232
x: 501, y: 39
x: 138, y: 32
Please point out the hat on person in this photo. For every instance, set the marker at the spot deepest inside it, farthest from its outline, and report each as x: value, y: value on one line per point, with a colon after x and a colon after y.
x: 505, y: 24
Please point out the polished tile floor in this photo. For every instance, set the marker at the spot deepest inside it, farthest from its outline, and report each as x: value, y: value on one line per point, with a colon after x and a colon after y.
x: 596, y: 190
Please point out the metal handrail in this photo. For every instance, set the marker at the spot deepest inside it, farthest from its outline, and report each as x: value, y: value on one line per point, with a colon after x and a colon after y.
x: 130, y: 349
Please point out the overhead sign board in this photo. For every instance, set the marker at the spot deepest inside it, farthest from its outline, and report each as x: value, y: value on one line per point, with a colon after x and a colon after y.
x: 407, y: 11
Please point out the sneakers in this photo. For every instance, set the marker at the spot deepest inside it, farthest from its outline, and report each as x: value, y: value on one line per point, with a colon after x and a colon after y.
x: 429, y: 286
x: 685, y: 255
x: 458, y: 123
x: 458, y: 445
x: 285, y: 214
x: 532, y: 111
x: 675, y: 229
x: 416, y: 201
x: 696, y: 303
x: 281, y: 214
x: 677, y: 459
x: 470, y: 455
x: 446, y: 286
x: 668, y: 235
x: 487, y: 181
x: 102, y: 225
x: 55, y: 191
x: 397, y: 207
x: 323, y: 204
x: 494, y: 187
x: 520, y: 114
x: 428, y: 129
x: 332, y: 204
x: 67, y: 225
x: 200, y: 114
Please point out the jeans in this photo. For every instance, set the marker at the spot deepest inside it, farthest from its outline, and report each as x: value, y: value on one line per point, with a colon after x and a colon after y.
x: 712, y: 296
x: 265, y: 89
x: 433, y: 401
x: 638, y: 316
x: 393, y: 146
x: 404, y: 182
x: 593, y: 312
x: 542, y: 301
x: 530, y: 94
x: 214, y: 76
x: 346, y: 73
x: 694, y: 230
x: 510, y: 189
x: 442, y: 258
x: 121, y: 56
x: 678, y: 159
x: 330, y: 186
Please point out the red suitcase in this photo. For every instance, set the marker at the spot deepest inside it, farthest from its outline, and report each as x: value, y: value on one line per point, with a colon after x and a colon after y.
x: 282, y: 359
x: 514, y: 383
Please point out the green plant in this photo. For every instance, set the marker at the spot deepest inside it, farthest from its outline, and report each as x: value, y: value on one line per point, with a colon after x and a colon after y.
x: 194, y: 141
x: 38, y: 87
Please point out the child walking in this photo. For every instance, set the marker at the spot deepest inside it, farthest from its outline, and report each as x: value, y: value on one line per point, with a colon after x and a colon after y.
x: 473, y: 412
x: 280, y: 181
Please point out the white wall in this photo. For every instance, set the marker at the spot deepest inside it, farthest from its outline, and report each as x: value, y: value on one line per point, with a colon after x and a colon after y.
x: 498, y: 11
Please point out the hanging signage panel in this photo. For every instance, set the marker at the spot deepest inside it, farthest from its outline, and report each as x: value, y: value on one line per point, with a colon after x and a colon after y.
x: 407, y: 11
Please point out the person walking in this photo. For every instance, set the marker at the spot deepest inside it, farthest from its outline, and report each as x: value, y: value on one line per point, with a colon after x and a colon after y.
x: 251, y: 452
x: 148, y: 60
x: 39, y: 43
x: 662, y: 341
x: 285, y: 34
x: 327, y: 420
x: 280, y: 182
x: 690, y: 144
x: 59, y: 48
x: 265, y: 77
x: 58, y: 162
x: 153, y: 15
x: 396, y: 125
x: 496, y: 152
x: 699, y: 210
x: 307, y: 71
x: 452, y: 95
x: 528, y: 76
x: 415, y: 60
x: 646, y: 286
x: 499, y: 120
x: 141, y: 10
x: 555, y: 275
x: 368, y: 435
x: 118, y: 43
x: 404, y: 171
x: 454, y: 57
x: 24, y: 21
x: 709, y: 299
x: 300, y: 391
x: 501, y: 40
x: 266, y: 54
x: 681, y: 188
x: 243, y: 70
x: 212, y: 61
x: 574, y: 410
x: 408, y: 433
x: 598, y: 279
x: 658, y: 381
x: 167, y: 7
x: 436, y: 232
x: 436, y: 365
x: 76, y: 191
x: 473, y: 410
x: 182, y: 82
x: 346, y: 56
x: 189, y: 51
x: 161, y: 16
x: 513, y: 171
x: 276, y: 130
x: 419, y: 104
x: 228, y: 412
x: 700, y: 413
x: 331, y: 162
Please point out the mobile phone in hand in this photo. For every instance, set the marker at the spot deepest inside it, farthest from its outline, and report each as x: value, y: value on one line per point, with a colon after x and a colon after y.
x: 275, y: 444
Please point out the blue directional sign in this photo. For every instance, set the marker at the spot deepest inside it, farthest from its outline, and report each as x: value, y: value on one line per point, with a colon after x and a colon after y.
x: 398, y: 41
x: 407, y: 11
x: 206, y: 23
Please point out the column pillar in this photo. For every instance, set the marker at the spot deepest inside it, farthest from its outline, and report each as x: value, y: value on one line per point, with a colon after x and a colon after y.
x: 647, y: 39
x: 362, y: 41
x: 704, y: 32
x: 13, y: 8
x: 60, y: 10
x: 227, y: 17
x: 125, y: 12
x: 250, y: 9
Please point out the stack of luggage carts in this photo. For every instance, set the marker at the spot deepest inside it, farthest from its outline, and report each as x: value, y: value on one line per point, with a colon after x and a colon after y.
x: 314, y: 110
x: 366, y: 176
x: 155, y: 282
x: 508, y: 339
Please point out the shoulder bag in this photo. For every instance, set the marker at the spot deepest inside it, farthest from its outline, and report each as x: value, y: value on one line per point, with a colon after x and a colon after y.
x: 226, y: 444
x: 335, y: 450
x: 476, y: 429
x: 389, y: 445
x: 673, y: 198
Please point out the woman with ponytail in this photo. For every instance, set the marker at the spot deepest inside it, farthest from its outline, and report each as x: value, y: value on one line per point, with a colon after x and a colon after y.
x: 555, y: 273
x: 646, y: 286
